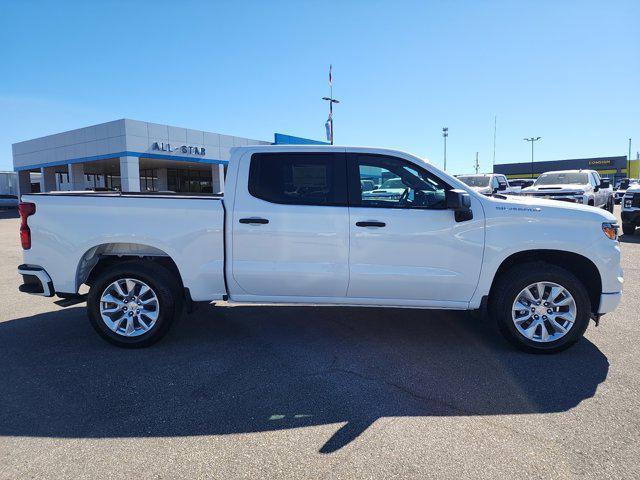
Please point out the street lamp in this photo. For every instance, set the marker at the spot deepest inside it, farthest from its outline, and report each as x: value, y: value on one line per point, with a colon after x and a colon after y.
x: 532, y: 140
x: 445, y: 134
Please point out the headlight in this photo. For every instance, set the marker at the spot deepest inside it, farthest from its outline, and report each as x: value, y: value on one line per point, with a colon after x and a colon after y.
x: 610, y: 230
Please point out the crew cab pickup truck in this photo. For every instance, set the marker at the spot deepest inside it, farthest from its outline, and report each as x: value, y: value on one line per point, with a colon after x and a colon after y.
x: 575, y: 186
x: 295, y: 227
x: 631, y: 209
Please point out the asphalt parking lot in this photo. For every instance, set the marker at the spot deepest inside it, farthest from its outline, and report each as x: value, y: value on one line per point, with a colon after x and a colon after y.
x: 288, y: 392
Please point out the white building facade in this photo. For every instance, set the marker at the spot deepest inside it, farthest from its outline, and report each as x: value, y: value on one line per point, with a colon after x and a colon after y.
x: 130, y: 156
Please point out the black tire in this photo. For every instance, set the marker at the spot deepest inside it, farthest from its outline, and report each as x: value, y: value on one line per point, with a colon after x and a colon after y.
x: 163, y: 283
x: 517, y: 278
x: 628, y: 228
x: 591, y: 203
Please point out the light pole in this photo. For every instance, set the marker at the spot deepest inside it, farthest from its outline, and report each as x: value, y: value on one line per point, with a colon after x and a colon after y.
x: 629, y: 161
x: 445, y: 134
x: 532, y: 140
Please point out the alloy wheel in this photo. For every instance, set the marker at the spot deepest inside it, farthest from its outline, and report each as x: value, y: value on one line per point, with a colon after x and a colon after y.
x: 129, y: 307
x: 544, y: 312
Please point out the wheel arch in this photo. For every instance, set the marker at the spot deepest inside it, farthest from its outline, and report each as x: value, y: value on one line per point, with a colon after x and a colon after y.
x: 96, y: 259
x: 582, y: 267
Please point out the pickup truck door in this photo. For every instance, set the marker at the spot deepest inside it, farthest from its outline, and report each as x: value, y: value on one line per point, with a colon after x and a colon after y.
x: 290, y: 225
x: 408, y: 247
x: 595, y: 183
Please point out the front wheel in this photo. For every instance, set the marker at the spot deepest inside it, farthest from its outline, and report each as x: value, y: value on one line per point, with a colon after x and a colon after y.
x: 133, y: 304
x: 540, y: 308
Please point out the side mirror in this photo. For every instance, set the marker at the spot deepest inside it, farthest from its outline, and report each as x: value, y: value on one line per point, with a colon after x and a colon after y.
x: 596, y: 188
x: 605, y: 184
x: 458, y: 200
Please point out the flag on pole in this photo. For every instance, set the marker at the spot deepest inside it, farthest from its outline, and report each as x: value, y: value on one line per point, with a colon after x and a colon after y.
x: 329, y: 127
x: 330, y: 76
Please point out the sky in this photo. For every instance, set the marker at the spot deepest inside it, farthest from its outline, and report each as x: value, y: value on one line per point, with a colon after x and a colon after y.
x: 567, y: 71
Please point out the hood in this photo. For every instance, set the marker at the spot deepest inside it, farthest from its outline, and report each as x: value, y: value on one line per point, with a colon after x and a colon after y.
x: 481, y: 189
x: 554, y: 208
x: 554, y: 188
x: 633, y: 188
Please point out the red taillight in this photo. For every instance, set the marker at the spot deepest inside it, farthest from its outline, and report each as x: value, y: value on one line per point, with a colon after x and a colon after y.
x: 26, y: 209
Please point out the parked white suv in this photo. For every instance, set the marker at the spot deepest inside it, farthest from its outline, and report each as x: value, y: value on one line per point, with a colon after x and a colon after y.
x: 487, y: 183
x: 575, y: 186
x: 295, y: 226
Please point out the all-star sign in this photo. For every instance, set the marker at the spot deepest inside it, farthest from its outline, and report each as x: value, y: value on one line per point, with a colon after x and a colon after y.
x: 166, y: 147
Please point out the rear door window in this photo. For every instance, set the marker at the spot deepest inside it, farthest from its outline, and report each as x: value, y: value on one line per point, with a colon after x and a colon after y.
x: 299, y: 178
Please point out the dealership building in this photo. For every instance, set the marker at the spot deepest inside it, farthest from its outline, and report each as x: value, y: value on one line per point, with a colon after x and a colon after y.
x: 613, y: 168
x: 130, y: 156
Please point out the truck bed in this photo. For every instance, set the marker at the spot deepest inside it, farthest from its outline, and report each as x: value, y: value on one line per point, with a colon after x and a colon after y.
x: 72, y: 230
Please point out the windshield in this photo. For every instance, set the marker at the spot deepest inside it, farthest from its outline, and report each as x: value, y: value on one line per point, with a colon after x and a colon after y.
x: 393, y: 183
x: 476, y: 180
x: 553, y: 178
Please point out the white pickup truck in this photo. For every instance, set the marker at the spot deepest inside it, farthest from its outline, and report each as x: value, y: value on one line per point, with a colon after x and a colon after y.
x: 488, y: 183
x: 575, y: 186
x: 295, y: 227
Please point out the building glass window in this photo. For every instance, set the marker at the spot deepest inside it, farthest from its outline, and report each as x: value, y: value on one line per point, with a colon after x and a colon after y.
x: 189, y: 181
x: 112, y: 182
x: 149, y: 180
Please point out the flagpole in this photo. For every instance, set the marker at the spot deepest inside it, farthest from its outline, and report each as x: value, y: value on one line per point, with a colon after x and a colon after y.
x: 331, y: 100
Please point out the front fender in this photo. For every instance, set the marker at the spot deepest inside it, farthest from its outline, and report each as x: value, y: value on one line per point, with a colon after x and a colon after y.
x: 513, y: 229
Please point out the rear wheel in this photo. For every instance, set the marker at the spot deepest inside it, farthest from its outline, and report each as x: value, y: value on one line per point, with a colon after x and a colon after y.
x: 133, y: 304
x: 610, y: 205
x: 540, y: 308
x: 628, y: 228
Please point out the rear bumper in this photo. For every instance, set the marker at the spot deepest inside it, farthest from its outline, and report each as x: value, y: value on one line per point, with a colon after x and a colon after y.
x: 36, y: 281
x: 609, y: 302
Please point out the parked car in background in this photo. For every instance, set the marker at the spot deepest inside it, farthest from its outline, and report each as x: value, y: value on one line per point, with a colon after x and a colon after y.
x: 622, y: 188
x: 367, y: 185
x: 487, y: 183
x: 390, y: 189
x: 631, y: 209
x: 575, y: 186
x: 517, y: 184
x: 294, y: 227
x: 8, y: 201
